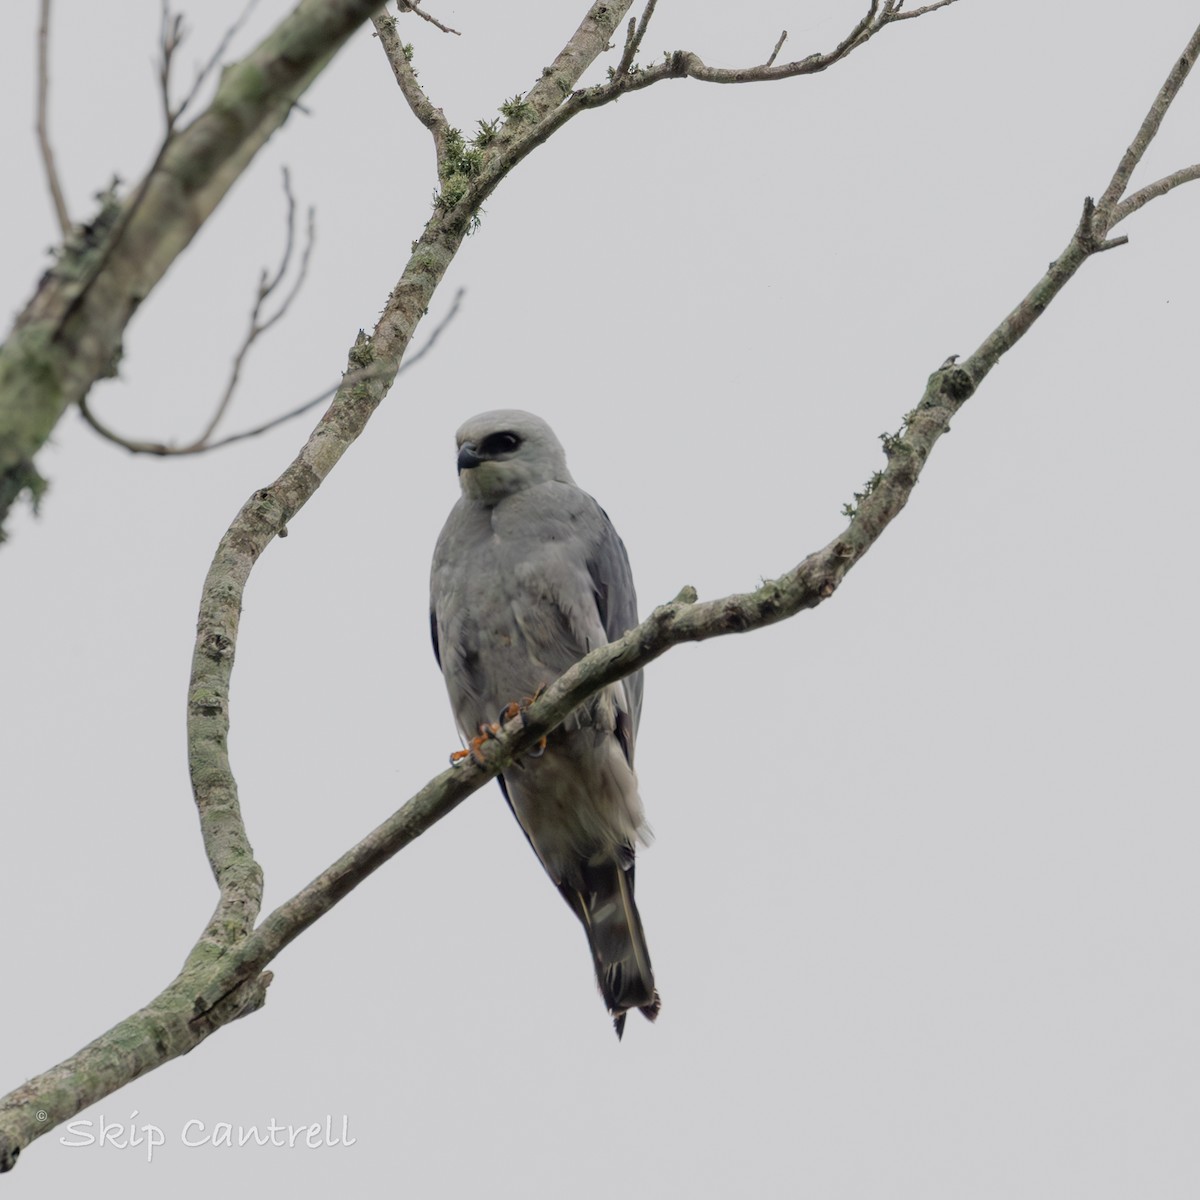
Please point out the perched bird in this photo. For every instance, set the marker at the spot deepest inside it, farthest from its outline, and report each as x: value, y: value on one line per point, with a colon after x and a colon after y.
x: 528, y: 576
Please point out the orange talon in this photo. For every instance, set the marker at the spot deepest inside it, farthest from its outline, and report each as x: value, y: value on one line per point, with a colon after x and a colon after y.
x: 516, y: 708
x: 473, y: 750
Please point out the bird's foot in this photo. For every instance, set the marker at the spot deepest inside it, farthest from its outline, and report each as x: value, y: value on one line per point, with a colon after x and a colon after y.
x: 488, y: 731
x: 475, y: 746
x: 516, y: 708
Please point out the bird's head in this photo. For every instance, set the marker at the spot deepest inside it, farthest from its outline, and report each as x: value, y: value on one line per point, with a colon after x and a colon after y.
x: 506, y: 451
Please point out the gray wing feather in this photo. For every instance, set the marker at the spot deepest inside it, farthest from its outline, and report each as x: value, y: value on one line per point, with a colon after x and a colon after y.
x: 616, y: 603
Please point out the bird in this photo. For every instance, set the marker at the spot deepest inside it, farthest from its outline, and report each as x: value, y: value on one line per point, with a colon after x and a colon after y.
x: 529, y: 575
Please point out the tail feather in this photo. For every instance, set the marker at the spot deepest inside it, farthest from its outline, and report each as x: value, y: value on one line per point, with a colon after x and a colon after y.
x: 605, y: 906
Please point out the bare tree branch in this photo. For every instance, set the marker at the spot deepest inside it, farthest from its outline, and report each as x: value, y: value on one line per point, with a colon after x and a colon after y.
x: 586, y: 44
x: 687, y: 64
x: 422, y: 107
x: 778, y: 47
x: 627, y: 54
x: 263, y: 518
x: 259, y: 325
x: 171, y: 37
x: 412, y: 7
x: 43, y: 128
x: 1160, y: 187
x: 634, y: 37
x: 897, y: 15
x: 552, y: 103
x: 364, y: 375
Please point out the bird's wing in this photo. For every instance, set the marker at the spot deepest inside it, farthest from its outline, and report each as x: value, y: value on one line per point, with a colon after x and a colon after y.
x: 616, y: 603
x: 581, y: 564
x: 455, y: 624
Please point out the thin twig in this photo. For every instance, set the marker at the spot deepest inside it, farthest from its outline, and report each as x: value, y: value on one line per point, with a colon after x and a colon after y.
x: 778, y: 46
x: 897, y: 15
x: 365, y: 374
x: 647, y: 13
x: 164, y: 450
x: 259, y: 326
x: 267, y: 286
x: 1160, y: 187
x: 171, y: 38
x: 412, y: 7
x: 627, y: 54
x: 43, y: 132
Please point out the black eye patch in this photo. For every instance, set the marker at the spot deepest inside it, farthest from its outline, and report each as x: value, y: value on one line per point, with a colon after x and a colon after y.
x: 499, y: 443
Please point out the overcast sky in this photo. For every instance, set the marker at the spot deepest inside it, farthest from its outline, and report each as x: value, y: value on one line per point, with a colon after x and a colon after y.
x: 923, y: 896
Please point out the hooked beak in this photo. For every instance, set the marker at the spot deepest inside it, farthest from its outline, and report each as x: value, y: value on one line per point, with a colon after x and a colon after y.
x: 467, y: 458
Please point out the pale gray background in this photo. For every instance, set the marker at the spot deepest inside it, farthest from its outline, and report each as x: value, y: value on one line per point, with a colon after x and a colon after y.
x: 924, y: 895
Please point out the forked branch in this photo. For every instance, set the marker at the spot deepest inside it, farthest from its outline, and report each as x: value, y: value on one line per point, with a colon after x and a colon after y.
x: 1145, y: 134
x: 399, y: 59
x: 634, y: 36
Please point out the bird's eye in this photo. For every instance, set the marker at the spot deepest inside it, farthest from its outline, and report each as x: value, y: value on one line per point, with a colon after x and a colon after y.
x: 500, y: 443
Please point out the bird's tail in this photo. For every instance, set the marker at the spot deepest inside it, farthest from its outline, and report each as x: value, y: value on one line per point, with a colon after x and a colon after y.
x: 614, y: 931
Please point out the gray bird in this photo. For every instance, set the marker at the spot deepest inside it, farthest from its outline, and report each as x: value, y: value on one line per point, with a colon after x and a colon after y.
x: 528, y: 576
